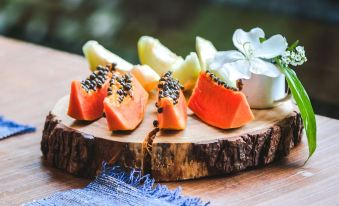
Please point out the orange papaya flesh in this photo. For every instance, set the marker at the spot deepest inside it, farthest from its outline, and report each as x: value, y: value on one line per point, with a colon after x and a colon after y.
x: 86, y: 97
x: 171, y: 104
x: 219, y: 105
x: 126, y: 102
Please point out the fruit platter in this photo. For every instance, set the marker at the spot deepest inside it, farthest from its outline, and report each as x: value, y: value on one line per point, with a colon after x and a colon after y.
x: 210, y: 113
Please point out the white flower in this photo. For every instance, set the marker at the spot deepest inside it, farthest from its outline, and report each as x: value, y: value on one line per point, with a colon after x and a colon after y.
x: 251, y: 58
x: 295, y: 58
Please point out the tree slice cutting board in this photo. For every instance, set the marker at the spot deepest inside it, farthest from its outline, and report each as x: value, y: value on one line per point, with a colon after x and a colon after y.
x: 198, y: 151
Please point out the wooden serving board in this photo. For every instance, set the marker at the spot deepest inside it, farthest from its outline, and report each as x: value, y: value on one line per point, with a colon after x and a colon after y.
x: 198, y: 151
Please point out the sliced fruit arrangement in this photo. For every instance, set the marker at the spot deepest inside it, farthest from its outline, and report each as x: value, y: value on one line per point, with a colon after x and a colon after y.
x: 214, y: 99
x: 126, y: 102
x: 171, y: 104
x: 219, y: 105
x: 96, y: 55
x: 86, y: 97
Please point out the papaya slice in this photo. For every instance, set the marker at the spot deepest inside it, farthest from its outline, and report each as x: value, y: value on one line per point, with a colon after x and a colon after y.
x: 86, y: 97
x: 126, y: 102
x: 219, y: 105
x: 171, y: 104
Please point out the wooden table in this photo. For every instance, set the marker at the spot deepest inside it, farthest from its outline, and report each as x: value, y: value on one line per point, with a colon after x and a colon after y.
x: 33, y: 78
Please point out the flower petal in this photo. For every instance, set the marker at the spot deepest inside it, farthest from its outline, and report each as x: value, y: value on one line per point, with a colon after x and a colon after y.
x: 262, y: 67
x: 233, y: 71
x: 237, y: 70
x: 223, y: 57
x: 272, y: 47
x: 241, y: 39
x: 230, y: 66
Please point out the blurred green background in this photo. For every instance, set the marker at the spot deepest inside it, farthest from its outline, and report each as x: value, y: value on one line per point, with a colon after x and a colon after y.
x: 68, y: 24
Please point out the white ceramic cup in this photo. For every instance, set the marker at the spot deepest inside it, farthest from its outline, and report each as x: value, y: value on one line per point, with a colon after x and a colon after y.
x: 264, y: 92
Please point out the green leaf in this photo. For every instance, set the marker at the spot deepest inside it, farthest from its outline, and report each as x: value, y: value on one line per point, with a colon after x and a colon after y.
x: 304, y: 104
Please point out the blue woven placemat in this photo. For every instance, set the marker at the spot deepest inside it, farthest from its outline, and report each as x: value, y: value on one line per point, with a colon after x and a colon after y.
x: 116, y: 187
x: 9, y: 128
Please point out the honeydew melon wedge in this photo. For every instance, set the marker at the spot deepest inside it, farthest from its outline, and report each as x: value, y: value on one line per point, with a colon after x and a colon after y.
x: 188, y: 71
x: 156, y: 55
x: 205, y: 50
x: 96, y: 55
x: 146, y: 76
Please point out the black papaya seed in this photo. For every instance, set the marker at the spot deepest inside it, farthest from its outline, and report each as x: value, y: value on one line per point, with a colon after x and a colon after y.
x: 92, y: 76
x: 155, y: 123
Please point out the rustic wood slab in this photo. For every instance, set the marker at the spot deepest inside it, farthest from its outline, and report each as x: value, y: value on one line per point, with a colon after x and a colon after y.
x: 198, y: 151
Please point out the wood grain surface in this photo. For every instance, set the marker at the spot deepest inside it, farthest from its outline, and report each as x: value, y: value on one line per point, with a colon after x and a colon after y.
x: 33, y: 78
